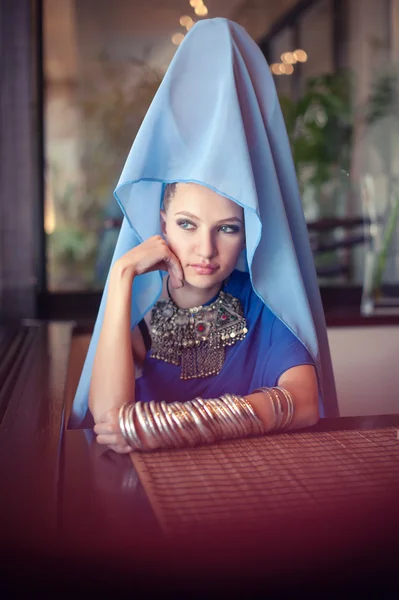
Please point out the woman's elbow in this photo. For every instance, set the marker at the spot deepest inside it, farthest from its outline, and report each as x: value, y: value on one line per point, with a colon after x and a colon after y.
x: 311, y: 414
x: 314, y: 417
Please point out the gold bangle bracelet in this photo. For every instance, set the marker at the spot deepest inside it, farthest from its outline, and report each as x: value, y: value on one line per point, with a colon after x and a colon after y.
x: 250, y: 425
x: 206, y: 417
x: 178, y: 439
x: 122, y: 423
x: 191, y: 425
x: 128, y: 426
x: 282, y: 401
x: 131, y: 427
x: 267, y: 391
x: 179, y: 419
x: 242, y: 420
x: 162, y: 431
x: 141, y: 418
x: 211, y: 412
x: 231, y: 429
x: 163, y: 424
x: 290, y: 406
x: 280, y: 410
x: 205, y: 431
x: 258, y: 425
x: 199, y: 421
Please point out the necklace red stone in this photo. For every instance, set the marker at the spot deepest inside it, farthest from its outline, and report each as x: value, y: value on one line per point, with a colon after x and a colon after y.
x: 196, y: 338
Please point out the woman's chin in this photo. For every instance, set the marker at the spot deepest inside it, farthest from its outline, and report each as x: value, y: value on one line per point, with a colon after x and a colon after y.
x: 201, y: 281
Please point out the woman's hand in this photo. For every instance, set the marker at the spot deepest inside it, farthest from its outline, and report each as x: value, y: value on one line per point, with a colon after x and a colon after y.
x: 152, y: 255
x: 108, y: 432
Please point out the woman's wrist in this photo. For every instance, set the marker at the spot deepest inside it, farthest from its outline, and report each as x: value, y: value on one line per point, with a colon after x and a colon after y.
x: 122, y: 273
x: 120, y: 287
x: 117, y: 316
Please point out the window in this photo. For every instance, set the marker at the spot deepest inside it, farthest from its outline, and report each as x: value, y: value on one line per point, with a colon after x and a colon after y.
x: 103, y: 64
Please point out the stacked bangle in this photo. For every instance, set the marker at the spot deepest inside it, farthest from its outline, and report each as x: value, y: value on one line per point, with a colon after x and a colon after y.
x: 188, y: 424
x: 282, y: 404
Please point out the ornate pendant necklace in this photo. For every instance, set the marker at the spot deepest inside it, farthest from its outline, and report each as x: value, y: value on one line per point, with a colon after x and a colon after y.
x: 196, y: 338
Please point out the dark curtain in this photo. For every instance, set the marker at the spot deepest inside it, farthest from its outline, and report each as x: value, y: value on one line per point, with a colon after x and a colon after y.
x: 19, y: 159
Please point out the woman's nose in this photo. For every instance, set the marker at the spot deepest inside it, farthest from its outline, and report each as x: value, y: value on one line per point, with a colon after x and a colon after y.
x: 206, y: 247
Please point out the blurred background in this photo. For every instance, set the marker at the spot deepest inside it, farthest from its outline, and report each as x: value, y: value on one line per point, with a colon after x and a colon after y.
x: 82, y: 73
x: 334, y: 68
x: 77, y: 77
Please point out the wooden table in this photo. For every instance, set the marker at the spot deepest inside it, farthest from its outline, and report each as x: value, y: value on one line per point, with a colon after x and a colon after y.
x: 71, y: 511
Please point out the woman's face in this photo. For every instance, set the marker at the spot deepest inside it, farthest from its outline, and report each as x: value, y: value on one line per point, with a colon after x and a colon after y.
x: 206, y: 233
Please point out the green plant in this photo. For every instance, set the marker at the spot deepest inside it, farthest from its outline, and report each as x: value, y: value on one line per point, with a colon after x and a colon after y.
x: 381, y: 117
x: 320, y: 129
x: 384, y: 252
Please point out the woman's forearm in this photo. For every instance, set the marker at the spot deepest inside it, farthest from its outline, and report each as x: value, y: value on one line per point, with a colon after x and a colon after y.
x: 153, y: 425
x: 305, y: 410
x: 113, y: 375
x: 305, y: 413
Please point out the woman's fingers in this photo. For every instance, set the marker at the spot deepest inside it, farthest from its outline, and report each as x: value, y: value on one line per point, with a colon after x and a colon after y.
x: 176, y: 275
x: 151, y: 255
x: 106, y: 428
x: 110, y: 439
x: 114, y: 439
x: 110, y: 416
x: 121, y: 449
x: 174, y: 269
x: 108, y: 434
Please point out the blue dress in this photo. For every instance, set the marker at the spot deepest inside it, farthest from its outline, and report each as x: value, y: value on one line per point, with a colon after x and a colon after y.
x: 268, y: 350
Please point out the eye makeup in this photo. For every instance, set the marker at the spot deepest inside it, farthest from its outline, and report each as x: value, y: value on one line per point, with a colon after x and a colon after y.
x: 227, y: 228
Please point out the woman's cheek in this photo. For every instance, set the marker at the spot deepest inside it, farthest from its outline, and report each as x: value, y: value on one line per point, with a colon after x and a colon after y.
x: 178, y: 245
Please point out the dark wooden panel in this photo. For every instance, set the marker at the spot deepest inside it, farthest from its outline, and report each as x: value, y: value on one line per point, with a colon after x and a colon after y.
x: 14, y: 346
x: 31, y: 435
x: 103, y: 508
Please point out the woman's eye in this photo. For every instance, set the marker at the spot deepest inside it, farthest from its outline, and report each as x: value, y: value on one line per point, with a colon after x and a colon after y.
x: 185, y: 225
x: 229, y: 229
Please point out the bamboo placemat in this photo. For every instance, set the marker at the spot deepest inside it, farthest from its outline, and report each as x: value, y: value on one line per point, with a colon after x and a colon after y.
x: 244, y: 480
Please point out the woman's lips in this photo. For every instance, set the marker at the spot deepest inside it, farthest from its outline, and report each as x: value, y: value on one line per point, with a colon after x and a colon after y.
x: 204, y: 269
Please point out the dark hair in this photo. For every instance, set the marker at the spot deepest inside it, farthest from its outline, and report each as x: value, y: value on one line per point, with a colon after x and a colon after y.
x: 169, y: 192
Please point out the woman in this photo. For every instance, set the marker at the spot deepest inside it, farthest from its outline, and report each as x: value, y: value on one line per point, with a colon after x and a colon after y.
x: 215, y: 132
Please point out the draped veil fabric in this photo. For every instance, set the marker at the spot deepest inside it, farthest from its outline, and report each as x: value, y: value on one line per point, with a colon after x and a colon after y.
x: 216, y: 120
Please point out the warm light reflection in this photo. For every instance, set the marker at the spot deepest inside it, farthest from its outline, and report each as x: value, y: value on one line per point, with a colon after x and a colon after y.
x: 49, y: 215
x: 288, y: 58
x: 177, y: 38
x: 300, y: 55
x: 201, y: 10
x: 195, y: 3
x: 190, y: 24
x: 275, y: 68
x: 281, y: 69
x: 185, y: 20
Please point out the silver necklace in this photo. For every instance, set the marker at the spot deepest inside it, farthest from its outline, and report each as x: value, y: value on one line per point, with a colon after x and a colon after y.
x: 196, y: 338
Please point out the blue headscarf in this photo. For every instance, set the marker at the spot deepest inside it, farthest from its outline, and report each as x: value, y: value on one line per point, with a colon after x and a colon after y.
x: 216, y: 121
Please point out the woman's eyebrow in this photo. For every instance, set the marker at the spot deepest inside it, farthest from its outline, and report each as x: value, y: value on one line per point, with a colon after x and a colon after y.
x: 227, y: 219
x: 230, y: 220
x: 187, y: 214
